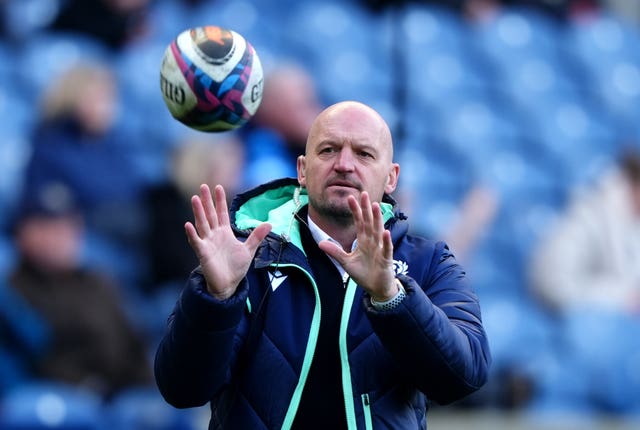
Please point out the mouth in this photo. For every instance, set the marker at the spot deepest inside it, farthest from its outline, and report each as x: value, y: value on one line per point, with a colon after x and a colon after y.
x: 343, y: 184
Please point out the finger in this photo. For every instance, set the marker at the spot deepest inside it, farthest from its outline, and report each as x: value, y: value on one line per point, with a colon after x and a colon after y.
x: 222, y: 210
x: 356, y: 213
x: 192, y: 237
x: 257, y: 236
x: 367, y: 214
x: 333, y: 250
x: 378, y: 222
x: 201, y: 222
x: 209, y: 208
x: 387, y: 245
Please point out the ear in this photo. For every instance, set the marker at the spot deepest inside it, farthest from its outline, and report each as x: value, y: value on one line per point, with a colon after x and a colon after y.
x: 392, y: 178
x: 301, y: 165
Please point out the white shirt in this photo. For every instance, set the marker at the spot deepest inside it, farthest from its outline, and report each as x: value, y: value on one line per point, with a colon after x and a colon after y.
x: 319, y: 235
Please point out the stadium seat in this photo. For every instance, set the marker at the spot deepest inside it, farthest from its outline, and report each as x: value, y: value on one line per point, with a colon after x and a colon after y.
x: 437, y: 62
x: 605, y: 51
x: 477, y: 125
x: 515, y: 34
x: 47, y: 54
x: 566, y: 123
x: 23, y: 18
x: 144, y: 409
x: 43, y: 405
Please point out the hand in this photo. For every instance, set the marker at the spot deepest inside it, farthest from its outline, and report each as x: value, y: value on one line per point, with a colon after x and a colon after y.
x: 223, y: 258
x: 370, y: 265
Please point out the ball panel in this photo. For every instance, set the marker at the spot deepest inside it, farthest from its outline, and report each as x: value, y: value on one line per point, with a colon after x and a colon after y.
x: 253, y: 96
x: 176, y: 91
x: 217, y: 71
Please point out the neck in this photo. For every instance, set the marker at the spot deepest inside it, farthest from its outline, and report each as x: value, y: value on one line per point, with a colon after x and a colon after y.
x: 342, y: 230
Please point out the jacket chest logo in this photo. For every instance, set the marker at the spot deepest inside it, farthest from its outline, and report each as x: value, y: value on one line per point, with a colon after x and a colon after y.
x: 276, y: 278
x: 400, y: 267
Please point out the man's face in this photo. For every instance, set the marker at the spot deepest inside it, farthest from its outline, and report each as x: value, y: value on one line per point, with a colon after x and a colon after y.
x: 349, y: 150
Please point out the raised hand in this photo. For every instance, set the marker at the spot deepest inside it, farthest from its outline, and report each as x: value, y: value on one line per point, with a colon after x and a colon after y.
x: 370, y: 265
x: 223, y: 258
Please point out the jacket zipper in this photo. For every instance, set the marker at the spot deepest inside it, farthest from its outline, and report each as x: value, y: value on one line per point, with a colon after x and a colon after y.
x: 347, y: 388
x: 366, y: 407
x: 308, y: 354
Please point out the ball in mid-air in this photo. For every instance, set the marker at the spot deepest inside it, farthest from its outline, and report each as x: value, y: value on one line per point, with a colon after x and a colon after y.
x: 211, y: 79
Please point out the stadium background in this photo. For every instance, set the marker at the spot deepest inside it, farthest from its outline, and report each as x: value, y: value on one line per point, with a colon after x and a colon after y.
x: 532, y: 105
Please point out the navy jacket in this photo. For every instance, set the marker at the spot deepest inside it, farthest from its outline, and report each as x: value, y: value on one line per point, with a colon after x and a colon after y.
x: 249, y: 355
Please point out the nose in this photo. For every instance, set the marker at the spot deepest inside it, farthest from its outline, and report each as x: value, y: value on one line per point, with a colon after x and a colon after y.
x: 344, y: 161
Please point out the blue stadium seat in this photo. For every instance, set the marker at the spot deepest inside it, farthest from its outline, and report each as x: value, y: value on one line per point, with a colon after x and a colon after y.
x: 144, y: 409
x: 594, y: 370
x: 23, y: 18
x: 342, y: 45
x: 569, y: 125
x: 605, y: 51
x: 520, y: 334
x: 43, y: 405
x: 535, y: 77
x: 477, y: 125
x: 439, y: 66
x: 515, y: 34
x: 433, y: 180
x: 47, y: 54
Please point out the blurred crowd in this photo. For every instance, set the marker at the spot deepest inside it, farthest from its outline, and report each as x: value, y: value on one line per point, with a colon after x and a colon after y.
x: 517, y: 128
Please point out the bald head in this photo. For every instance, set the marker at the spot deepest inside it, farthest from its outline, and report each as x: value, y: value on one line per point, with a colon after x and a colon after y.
x: 356, y: 120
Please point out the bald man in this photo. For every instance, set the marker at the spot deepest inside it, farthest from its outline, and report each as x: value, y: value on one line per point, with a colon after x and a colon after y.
x: 312, y: 307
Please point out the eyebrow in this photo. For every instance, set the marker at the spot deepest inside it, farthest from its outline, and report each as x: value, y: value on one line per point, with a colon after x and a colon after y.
x: 355, y: 144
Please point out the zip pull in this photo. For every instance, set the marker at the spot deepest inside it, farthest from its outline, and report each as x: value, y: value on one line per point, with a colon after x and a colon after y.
x: 345, y: 279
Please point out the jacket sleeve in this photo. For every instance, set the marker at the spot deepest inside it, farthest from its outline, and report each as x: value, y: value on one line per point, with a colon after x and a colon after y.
x: 436, y: 332
x: 195, y: 355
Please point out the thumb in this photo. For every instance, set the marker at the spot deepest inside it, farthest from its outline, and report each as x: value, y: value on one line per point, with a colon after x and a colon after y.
x: 333, y: 250
x: 257, y: 236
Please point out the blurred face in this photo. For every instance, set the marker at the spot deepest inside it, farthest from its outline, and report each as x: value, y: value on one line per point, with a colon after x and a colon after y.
x: 289, y: 105
x: 51, y: 243
x: 97, y: 108
x: 349, y: 150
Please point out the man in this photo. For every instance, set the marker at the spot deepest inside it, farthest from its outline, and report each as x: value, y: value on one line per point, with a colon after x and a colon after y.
x: 91, y: 342
x: 312, y: 307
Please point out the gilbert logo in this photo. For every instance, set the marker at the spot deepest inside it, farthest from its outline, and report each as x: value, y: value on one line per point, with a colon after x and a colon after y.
x: 400, y: 267
x: 276, y: 278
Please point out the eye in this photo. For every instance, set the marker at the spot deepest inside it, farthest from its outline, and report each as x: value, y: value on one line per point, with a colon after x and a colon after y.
x: 326, y: 150
x: 366, y: 154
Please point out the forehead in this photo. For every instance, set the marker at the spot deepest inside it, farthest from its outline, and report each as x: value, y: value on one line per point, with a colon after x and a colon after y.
x: 350, y: 124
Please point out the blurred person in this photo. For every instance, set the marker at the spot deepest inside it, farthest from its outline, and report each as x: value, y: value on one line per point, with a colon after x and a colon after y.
x: 591, y: 257
x: 474, y: 215
x: 93, y: 344
x: 586, y: 270
x: 311, y: 287
x: 198, y: 159
x: 277, y: 134
x: 77, y: 142
x: 115, y: 23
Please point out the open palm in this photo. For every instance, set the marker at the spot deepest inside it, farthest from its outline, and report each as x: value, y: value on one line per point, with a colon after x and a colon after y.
x: 223, y: 258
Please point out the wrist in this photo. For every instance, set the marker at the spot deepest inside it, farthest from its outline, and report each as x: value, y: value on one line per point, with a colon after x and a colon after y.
x: 220, y: 295
x: 388, y: 294
x: 390, y: 302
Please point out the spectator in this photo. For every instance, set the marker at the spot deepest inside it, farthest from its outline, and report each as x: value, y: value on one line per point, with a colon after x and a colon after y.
x: 587, y: 270
x: 198, y: 158
x: 93, y: 343
x: 277, y: 134
x: 77, y: 143
x: 115, y: 23
x: 591, y: 258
